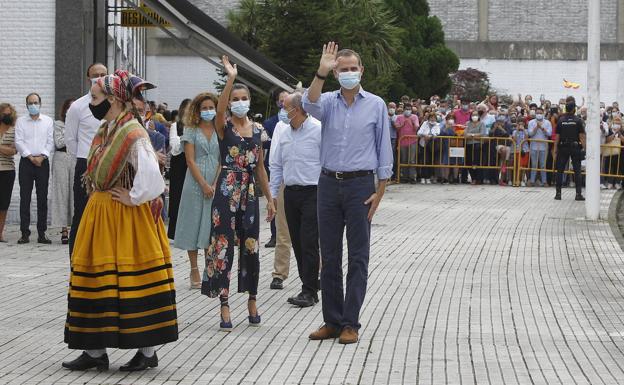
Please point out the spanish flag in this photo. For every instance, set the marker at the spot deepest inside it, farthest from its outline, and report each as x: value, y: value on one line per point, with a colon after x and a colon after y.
x: 568, y: 84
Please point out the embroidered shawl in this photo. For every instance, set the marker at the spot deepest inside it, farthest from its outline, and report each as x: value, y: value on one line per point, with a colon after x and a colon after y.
x: 107, y: 164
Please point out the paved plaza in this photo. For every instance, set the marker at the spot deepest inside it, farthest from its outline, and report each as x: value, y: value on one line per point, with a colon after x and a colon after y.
x: 467, y: 285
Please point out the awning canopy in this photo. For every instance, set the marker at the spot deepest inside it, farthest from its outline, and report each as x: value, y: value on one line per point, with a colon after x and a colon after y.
x: 203, y: 35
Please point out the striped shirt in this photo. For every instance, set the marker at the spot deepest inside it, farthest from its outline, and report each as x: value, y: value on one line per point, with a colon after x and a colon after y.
x: 8, y: 139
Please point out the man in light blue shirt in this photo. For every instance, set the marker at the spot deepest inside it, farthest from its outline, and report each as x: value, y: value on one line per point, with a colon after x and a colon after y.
x: 355, y: 144
x: 295, y: 162
x: 539, y: 129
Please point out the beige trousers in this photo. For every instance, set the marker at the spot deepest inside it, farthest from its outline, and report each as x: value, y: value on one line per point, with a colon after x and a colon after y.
x: 281, y: 264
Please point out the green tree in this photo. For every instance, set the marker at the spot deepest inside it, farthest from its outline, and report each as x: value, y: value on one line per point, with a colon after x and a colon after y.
x: 425, y: 61
x: 402, y: 48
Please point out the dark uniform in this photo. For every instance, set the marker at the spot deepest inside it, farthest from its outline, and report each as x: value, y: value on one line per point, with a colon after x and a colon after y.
x: 569, y: 128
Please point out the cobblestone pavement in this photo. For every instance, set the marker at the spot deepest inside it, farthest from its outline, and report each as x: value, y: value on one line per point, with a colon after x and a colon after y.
x: 467, y: 285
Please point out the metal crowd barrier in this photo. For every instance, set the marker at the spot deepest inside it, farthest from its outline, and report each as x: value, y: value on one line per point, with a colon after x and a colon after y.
x: 611, y: 164
x: 454, y: 152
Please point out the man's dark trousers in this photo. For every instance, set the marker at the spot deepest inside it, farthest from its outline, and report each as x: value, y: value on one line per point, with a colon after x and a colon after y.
x: 340, y: 205
x: 80, y: 200
x: 30, y: 175
x: 301, y: 215
x: 566, y: 151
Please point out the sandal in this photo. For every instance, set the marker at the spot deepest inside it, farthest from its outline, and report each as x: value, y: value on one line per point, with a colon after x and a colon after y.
x: 254, y: 320
x: 195, y: 284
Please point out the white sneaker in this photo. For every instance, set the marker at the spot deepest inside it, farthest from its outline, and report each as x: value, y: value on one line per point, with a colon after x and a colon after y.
x: 611, y: 186
x: 427, y: 181
x: 603, y: 187
x: 522, y: 184
x: 422, y: 180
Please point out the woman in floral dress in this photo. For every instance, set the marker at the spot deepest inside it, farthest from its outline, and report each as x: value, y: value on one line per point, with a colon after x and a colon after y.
x: 235, y: 208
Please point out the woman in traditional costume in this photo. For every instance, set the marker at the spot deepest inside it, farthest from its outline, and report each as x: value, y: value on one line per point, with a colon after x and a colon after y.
x: 121, y: 292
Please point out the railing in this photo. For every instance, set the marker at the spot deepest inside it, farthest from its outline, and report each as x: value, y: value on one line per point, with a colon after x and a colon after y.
x: 490, y: 153
x: 610, y: 161
x: 457, y: 152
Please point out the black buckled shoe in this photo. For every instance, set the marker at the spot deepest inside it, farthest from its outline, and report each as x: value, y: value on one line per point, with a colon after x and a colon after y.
x: 140, y: 362
x: 277, y: 284
x: 85, y: 362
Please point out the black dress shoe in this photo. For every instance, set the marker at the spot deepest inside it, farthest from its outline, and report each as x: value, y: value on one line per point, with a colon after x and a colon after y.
x: 277, y: 284
x: 24, y: 239
x: 85, y: 362
x: 304, y: 300
x: 270, y: 243
x: 44, y: 239
x: 579, y: 197
x: 140, y: 362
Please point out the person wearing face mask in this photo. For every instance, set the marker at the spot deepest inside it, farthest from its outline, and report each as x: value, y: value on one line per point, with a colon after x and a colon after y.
x: 121, y: 288
x: 283, y: 249
x: 295, y: 163
x: 236, y: 207
x: 158, y: 132
x: 280, y: 237
x: 62, y: 177
x: 475, y: 129
x: 158, y: 140
x: 569, y: 143
x: 407, y: 127
x: 462, y: 114
x: 488, y: 147
x: 611, y: 153
x: 8, y: 115
x: 426, y: 134
x: 392, y: 116
x: 531, y: 113
x: 502, y: 152
x: 448, y: 175
x: 539, y: 129
x: 34, y: 141
x: 201, y: 149
x: 177, y: 168
x: 80, y: 128
x: 355, y: 144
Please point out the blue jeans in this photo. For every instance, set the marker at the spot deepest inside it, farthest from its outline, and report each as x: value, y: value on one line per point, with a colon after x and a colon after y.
x: 340, y: 205
x: 538, y: 160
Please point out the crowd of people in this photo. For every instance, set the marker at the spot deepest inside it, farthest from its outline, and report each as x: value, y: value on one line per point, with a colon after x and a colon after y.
x: 493, y: 134
x: 321, y: 162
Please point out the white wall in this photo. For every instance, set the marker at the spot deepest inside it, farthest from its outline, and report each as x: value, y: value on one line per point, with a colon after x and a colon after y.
x: 178, y: 78
x: 536, y: 77
x: 27, y: 30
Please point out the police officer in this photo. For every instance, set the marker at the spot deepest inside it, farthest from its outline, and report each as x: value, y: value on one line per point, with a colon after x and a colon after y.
x: 569, y: 143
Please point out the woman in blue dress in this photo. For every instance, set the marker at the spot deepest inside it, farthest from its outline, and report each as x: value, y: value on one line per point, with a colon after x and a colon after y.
x: 201, y: 149
x: 235, y: 210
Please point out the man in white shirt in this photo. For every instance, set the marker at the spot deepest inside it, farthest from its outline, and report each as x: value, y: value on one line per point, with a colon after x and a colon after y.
x: 34, y: 142
x: 80, y: 128
x: 295, y: 162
